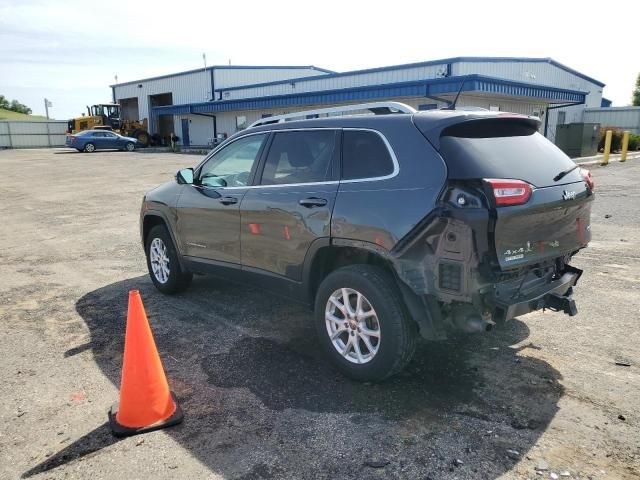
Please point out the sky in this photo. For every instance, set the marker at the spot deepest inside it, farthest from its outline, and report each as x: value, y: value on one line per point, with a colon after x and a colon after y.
x: 69, y: 52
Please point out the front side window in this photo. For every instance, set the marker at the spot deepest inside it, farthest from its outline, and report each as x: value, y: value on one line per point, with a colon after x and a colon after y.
x: 299, y: 157
x: 231, y: 166
x: 364, y: 155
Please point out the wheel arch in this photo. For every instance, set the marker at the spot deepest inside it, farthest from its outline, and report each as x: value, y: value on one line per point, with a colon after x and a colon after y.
x: 153, y: 218
x: 326, y: 257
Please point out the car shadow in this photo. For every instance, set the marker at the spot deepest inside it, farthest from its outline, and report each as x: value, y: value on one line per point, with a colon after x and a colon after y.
x: 76, y: 152
x: 261, y: 402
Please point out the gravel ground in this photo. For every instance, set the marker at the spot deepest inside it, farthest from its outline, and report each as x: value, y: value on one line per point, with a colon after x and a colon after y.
x: 542, y: 392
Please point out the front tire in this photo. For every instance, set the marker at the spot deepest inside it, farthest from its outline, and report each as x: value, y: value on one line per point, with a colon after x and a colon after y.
x: 362, y: 324
x: 89, y: 148
x: 163, y: 264
x: 129, y: 147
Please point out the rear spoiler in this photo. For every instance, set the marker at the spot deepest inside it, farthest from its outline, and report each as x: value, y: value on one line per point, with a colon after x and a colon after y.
x: 433, y: 125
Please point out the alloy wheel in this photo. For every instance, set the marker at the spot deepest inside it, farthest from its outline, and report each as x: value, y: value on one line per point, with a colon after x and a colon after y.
x: 159, y: 260
x: 352, y: 325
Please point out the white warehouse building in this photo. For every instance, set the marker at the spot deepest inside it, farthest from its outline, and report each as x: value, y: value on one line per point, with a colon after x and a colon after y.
x: 206, y: 105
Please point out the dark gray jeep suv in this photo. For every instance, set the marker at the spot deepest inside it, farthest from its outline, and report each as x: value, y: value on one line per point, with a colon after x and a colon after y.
x: 390, y: 225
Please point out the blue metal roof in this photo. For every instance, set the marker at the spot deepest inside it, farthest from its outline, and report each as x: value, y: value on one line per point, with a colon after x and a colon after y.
x: 422, y: 88
x: 443, y: 61
x: 225, y: 67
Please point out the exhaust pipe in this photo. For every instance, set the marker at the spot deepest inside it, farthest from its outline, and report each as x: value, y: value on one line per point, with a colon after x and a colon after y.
x: 468, y: 321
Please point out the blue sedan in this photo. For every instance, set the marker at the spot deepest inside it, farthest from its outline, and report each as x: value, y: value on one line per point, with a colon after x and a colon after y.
x: 92, y: 140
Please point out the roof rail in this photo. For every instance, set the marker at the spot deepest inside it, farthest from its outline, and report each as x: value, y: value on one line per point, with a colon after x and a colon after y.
x: 378, y: 108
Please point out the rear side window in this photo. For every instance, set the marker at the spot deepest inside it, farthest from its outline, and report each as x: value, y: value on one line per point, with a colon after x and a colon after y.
x: 364, y: 155
x: 300, y: 157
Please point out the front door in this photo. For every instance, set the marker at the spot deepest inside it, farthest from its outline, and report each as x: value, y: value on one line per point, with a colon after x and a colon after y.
x: 290, y: 206
x: 185, y: 132
x: 209, y: 210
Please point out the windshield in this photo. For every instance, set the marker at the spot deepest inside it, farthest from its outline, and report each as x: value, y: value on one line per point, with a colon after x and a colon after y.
x: 111, y: 111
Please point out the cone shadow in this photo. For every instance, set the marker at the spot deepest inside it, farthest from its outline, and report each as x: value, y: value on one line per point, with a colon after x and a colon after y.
x: 92, y: 442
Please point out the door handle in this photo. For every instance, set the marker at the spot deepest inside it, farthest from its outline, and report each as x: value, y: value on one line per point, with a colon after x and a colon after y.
x: 228, y: 200
x: 312, y: 202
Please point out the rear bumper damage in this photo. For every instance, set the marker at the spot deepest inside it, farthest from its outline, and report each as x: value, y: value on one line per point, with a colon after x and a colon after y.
x: 556, y: 295
x: 451, y: 282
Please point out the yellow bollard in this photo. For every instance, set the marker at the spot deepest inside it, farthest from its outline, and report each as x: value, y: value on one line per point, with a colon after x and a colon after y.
x: 625, y: 146
x: 607, y: 147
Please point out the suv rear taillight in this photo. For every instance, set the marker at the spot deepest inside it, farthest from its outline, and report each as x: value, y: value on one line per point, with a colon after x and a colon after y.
x: 586, y: 175
x: 509, y: 192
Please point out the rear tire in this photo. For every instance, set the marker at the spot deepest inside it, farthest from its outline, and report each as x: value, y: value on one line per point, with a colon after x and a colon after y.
x: 163, y: 264
x: 89, y: 148
x: 374, y: 358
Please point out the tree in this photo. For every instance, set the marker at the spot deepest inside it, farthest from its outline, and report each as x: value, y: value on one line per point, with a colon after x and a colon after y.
x: 14, y: 105
x: 636, y: 93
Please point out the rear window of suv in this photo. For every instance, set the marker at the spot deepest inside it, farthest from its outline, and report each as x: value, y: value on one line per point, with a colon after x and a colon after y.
x: 503, y: 149
x: 364, y: 155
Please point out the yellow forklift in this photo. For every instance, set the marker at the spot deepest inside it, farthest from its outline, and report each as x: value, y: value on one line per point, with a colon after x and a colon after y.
x: 106, y: 116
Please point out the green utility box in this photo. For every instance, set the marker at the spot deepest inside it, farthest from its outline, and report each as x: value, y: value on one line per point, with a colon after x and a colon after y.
x: 578, y: 139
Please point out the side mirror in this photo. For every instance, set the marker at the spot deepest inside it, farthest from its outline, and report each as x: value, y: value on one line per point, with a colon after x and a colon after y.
x: 185, y: 176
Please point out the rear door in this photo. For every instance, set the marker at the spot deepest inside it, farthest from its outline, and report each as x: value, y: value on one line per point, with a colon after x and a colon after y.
x: 552, y: 218
x: 290, y: 206
x: 97, y: 138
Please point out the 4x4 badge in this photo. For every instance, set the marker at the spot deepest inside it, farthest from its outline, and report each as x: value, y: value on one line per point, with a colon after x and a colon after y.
x: 568, y: 195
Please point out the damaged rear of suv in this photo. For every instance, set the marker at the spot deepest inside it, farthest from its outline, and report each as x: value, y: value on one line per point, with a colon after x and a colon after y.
x: 513, y: 212
x: 393, y: 226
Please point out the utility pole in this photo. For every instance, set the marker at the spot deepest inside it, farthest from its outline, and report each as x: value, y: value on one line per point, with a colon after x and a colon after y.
x: 47, y: 104
x: 204, y: 59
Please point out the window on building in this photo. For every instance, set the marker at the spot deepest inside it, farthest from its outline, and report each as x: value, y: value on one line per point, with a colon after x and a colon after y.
x: 562, y: 118
x: 241, y: 122
x: 300, y: 157
x: 494, y: 108
x: 364, y: 155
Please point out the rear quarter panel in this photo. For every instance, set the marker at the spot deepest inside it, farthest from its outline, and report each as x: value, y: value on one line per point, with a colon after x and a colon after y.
x: 384, y: 211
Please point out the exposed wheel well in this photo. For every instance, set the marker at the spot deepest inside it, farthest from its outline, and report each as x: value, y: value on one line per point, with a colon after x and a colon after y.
x: 330, y: 258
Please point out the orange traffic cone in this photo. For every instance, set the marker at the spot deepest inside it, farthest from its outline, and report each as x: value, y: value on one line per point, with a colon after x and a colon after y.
x: 146, y: 403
